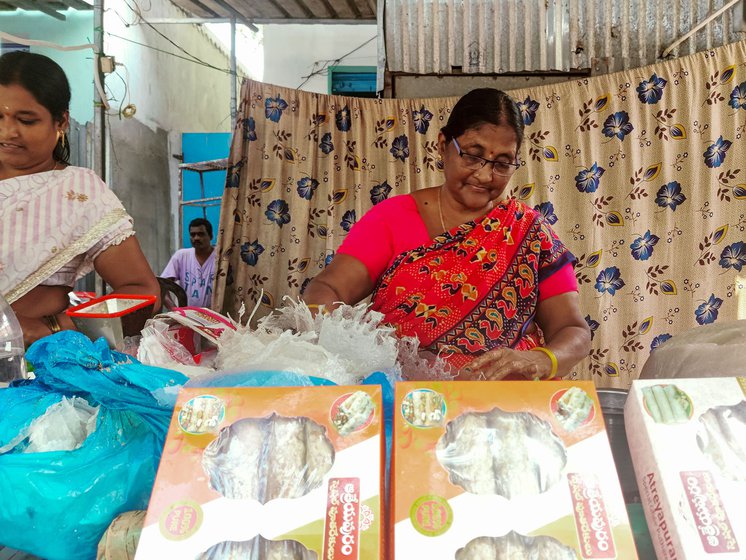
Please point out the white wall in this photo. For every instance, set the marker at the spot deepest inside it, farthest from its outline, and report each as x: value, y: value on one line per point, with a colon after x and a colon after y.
x: 292, y: 51
x: 170, y: 93
x: 77, y: 29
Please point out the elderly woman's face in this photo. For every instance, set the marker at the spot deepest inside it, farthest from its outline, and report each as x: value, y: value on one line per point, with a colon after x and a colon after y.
x: 476, y: 188
x: 28, y: 133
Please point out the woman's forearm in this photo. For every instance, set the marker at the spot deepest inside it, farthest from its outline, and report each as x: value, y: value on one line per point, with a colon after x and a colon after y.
x: 570, y: 345
x: 320, y: 293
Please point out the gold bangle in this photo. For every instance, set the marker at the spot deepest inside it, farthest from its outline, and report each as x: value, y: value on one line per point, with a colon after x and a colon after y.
x: 553, y: 359
x: 53, y: 323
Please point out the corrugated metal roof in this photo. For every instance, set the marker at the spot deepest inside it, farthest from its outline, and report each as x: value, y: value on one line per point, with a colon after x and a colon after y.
x: 49, y: 7
x: 285, y: 11
x: 498, y: 36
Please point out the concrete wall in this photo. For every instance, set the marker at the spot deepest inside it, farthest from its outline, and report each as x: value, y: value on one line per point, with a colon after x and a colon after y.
x: 77, y: 29
x: 293, y: 51
x: 172, y: 96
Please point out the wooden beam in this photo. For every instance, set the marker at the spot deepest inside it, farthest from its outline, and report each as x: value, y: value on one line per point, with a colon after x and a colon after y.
x: 236, y: 14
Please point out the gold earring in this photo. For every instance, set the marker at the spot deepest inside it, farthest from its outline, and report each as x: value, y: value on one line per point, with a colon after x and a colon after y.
x: 64, y: 138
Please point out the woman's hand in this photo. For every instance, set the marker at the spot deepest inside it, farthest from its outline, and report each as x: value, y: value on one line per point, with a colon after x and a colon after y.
x: 498, y: 363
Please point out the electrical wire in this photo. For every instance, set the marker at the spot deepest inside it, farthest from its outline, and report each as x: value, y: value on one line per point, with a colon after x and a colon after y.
x: 225, y: 71
x: 334, y: 62
x: 151, y: 26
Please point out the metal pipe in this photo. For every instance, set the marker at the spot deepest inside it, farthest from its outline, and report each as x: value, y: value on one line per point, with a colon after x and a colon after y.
x: 697, y: 27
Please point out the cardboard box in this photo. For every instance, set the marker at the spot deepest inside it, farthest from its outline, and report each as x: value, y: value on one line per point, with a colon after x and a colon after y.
x: 552, y: 484
x: 687, y: 439
x: 235, y: 469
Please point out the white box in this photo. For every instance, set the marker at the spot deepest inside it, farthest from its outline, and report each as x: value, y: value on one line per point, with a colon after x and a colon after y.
x: 695, y: 502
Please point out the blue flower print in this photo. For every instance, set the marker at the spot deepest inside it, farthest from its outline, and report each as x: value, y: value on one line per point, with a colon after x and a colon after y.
x: 587, y: 180
x: 380, y: 192
x: 546, y: 209
x: 658, y: 340
x: 343, y: 119
x: 528, y: 108
x: 278, y: 212
x: 738, y: 96
x: 326, y: 144
x: 400, y: 147
x: 592, y: 324
x: 650, y: 91
x: 715, y: 154
x: 670, y: 195
x: 734, y: 256
x: 708, y: 311
x: 250, y: 252
x: 249, y: 129
x: 306, y: 187
x: 617, y: 125
x: 421, y: 119
x: 642, y: 247
x: 609, y: 280
x: 348, y: 220
x: 328, y: 259
x: 273, y: 108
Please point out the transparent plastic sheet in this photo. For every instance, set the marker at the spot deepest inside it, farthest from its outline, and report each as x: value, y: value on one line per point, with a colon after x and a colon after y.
x: 268, y: 458
x: 721, y: 436
x: 343, y: 346
x: 258, y: 548
x: 63, y: 501
x: 715, y: 350
x: 515, y: 546
x: 63, y: 427
x: 158, y: 348
x: 510, y: 454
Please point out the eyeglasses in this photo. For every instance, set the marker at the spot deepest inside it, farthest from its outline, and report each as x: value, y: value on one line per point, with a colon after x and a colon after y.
x: 499, y: 167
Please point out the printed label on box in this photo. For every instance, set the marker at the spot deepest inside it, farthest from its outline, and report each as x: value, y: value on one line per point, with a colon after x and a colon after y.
x: 341, y: 537
x: 591, y: 520
x: 713, y: 525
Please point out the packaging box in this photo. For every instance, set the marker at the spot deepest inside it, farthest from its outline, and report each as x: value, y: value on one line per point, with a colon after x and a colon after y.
x: 481, y: 469
x: 291, y: 472
x: 687, y: 439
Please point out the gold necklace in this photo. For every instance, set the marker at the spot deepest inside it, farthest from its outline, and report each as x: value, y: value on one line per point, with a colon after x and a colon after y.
x: 440, y: 210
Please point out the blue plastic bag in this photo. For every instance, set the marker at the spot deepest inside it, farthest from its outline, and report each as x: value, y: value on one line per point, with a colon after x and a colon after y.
x: 57, y: 504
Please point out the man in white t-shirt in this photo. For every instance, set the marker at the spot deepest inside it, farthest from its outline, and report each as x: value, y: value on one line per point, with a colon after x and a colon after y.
x: 194, y: 269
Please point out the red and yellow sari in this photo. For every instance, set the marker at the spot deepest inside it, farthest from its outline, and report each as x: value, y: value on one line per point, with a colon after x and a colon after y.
x: 474, y: 288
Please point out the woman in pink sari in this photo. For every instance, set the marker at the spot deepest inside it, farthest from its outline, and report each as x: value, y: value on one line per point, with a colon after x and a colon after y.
x: 479, y: 278
x: 57, y: 222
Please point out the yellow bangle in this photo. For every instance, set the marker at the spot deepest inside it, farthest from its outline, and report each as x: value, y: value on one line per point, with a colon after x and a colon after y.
x: 318, y: 307
x: 552, y: 357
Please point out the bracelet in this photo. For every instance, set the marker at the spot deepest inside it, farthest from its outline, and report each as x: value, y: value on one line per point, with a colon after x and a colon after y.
x: 53, y: 323
x: 318, y: 307
x: 552, y: 357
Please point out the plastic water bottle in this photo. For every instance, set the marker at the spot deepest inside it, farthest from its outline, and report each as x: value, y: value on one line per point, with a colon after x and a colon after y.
x: 12, y: 361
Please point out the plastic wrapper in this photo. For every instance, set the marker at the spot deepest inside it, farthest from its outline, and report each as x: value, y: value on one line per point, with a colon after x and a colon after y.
x: 715, y: 350
x: 64, y: 426
x: 506, y: 453
x: 258, y: 549
x: 514, y: 546
x: 722, y: 438
x: 268, y: 458
x: 63, y: 501
x: 343, y: 346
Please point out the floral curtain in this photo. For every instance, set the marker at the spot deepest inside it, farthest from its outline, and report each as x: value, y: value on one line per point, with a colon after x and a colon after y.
x: 642, y: 173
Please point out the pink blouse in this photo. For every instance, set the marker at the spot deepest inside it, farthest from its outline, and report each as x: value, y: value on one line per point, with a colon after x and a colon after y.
x: 394, y: 226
